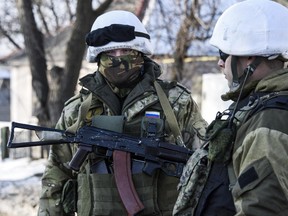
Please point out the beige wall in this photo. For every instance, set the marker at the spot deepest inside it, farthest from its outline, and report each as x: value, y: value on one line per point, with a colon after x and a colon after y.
x: 21, y: 94
x: 213, y: 86
x: 206, y: 89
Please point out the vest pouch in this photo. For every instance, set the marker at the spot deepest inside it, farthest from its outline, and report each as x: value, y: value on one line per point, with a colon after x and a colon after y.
x: 69, y: 196
x: 221, y: 138
x: 112, y: 123
x: 84, y: 196
x: 152, y: 127
x: 192, y: 182
x: 106, y: 199
x: 146, y: 187
x: 167, y: 193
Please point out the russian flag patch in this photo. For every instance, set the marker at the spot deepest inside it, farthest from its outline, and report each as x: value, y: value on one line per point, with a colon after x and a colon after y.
x: 152, y: 114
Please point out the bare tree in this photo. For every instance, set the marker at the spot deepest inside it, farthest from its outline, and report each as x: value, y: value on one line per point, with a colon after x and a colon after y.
x: 8, y: 36
x: 179, y: 27
x: 141, y: 8
x: 42, y: 17
x: 62, y: 80
x: 179, y: 24
x: 85, y: 16
x: 9, y: 24
x: 196, y: 25
x: 36, y: 54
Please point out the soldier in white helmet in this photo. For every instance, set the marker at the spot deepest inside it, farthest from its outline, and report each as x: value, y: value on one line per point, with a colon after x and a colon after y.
x: 121, y: 96
x: 242, y: 168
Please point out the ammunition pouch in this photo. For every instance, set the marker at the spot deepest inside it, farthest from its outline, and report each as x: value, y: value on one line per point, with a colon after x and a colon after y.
x: 221, y: 137
x: 69, y: 197
x: 152, y: 127
x: 192, y: 182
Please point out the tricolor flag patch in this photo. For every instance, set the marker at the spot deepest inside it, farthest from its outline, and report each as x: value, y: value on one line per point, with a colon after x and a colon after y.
x: 152, y: 114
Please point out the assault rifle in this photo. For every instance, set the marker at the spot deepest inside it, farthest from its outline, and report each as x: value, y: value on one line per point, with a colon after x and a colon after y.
x: 153, y: 152
x: 112, y: 145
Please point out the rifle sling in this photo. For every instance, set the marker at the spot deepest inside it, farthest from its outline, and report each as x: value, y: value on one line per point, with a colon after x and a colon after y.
x: 172, y: 121
x: 124, y: 182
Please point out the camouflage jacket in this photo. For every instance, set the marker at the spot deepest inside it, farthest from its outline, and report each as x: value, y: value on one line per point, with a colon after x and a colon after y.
x: 141, y: 98
x: 258, y: 156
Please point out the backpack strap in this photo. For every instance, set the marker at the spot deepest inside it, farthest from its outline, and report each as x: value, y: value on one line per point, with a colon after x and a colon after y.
x: 274, y: 100
x: 172, y: 121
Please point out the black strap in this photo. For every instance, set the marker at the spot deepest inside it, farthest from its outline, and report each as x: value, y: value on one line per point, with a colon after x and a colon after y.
x: 252, y: 67
x: 115, y: 33
x: 234, y: 60
x: 248, y: 70
x: 275, y: 101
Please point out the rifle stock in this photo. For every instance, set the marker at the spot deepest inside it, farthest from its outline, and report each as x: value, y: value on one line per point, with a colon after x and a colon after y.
x: 156, y: 154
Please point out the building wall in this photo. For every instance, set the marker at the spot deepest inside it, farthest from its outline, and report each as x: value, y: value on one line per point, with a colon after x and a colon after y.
x: 201, y: 77
x: 4, y: 99
x: 206, y: 82
x: 21, y: 94
x: 213, y: 86
x: 4, y: 95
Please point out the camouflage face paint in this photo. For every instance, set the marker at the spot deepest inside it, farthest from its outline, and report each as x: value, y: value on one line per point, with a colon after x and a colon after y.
x: 122, y: 71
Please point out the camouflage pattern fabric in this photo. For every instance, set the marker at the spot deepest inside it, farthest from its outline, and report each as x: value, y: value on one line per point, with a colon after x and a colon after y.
x: 141, y: 98
x: 221, y: 137
x: 259, y: 155
x: 122, y: 71
x: 192, y: 183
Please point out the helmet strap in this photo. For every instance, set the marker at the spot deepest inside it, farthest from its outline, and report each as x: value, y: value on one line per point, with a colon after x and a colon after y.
x: 242, y: 80
x: 252, y: 67
x: 235, y: 81
x: 248, y: 70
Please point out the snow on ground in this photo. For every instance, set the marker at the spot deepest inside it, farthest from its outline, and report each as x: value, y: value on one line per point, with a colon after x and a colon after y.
x: 19, y: 169
x: 20, y: 184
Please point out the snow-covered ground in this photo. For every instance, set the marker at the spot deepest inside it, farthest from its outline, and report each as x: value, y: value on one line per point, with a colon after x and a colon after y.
x: 19, y: 169
x: 20, y: 184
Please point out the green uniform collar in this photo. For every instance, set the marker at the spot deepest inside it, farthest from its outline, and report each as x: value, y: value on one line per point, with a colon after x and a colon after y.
x: 98, y: 86
x: 277, y: 81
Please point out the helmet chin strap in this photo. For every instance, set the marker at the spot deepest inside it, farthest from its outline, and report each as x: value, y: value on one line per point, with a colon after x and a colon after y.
x: 235, y: 81
x: 252, y: 67
x: 248, y: 71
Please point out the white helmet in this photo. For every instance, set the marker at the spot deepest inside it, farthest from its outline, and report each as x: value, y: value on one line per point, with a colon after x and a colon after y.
x: 253, y: 28
x: 115, y: 30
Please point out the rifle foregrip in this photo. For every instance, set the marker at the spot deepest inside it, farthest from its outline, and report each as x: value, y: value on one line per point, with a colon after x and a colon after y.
x: 78, y: 159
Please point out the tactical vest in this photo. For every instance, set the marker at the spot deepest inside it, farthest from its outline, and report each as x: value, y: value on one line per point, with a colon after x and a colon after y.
x: 98, y: 194
x: 210, y: 194
x: 97, y: 191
